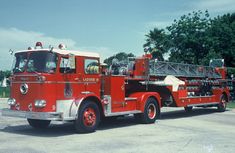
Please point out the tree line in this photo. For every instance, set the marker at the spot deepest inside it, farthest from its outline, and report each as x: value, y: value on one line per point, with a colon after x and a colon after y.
x: 4, y: 74
x: 195, y: 39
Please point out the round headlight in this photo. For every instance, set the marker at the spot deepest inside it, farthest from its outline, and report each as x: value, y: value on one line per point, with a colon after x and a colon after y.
x: 11, y: 101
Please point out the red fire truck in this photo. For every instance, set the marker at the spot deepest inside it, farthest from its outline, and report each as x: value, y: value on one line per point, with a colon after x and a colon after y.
x: 64, y: 85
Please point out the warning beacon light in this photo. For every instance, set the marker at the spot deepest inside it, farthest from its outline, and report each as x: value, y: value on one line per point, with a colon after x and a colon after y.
x: 62, y: 46
x: 38, y: 44
x: 30, y: 48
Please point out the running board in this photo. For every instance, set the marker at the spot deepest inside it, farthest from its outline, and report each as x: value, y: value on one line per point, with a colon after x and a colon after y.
x: 123, y: 113
x: 203, y: 104
x: 191, y: 97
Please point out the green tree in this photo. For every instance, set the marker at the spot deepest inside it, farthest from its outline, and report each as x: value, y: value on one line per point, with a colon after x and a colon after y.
x: 4, y: 74
x: 121, y: 56
x: 7, y: 73
x: 1, y: 75
x: 157, y: 43
x: 195, y: 39
x: 189, y: 38
x: 222, y: 38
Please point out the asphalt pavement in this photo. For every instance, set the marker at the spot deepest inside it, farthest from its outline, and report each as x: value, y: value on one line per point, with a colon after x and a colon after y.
x: 202, y: 131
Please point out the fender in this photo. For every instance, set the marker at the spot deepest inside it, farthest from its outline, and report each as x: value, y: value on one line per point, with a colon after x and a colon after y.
x: 227, y: 94
x: 80, y: 99
x: 219, y: 92
x: 142, y: 98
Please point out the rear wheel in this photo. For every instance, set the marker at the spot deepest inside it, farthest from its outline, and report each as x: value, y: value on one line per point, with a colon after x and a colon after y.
x: 39, y: 123
x: 223, y: 104
x: 88, y: 118
x: 151, y: 112
x: 188, y: 109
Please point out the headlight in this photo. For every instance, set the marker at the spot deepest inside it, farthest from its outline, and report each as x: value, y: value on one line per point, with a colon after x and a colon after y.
x: 40, y: 103
x: 11, y: 101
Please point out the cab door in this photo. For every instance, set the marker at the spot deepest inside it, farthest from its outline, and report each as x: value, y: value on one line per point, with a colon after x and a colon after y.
x: 69, y: 84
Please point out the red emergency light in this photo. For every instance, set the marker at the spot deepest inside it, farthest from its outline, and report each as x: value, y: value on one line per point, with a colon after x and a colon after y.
x: 30, y: 48
x: 38, y: 44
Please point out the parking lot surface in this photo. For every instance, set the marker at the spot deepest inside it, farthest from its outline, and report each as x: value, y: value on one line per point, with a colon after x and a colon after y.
x: 202, y: 131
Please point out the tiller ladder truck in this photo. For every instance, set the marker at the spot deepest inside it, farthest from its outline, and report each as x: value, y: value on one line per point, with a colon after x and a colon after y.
x: 57, y: 84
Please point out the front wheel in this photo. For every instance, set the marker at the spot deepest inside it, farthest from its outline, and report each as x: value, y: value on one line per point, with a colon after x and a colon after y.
x: 223, y: 104
x: 39, y: 124
x: 151, y: 112
x: 88, y: 117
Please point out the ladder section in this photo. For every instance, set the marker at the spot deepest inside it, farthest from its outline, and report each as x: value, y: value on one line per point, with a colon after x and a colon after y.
x: 161, y: 68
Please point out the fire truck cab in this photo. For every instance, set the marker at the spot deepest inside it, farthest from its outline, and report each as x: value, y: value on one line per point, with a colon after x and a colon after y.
x: 64, y: 85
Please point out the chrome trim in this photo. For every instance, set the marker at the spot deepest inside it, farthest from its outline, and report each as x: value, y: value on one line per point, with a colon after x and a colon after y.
x: 40, y: 103
x: 24, y: 79
x: 68, y: 107
x: 55, y: 116
x: 17, y: 106
x: 87, y: 82
x: 86, y: 92
x: 203, y: 104
x: 26, y: 75
x: 196, y: 97
x: 130, y: 98
x: 30, y: 107
x: 123, y: 113
x: 51, y: 82
x: 19, y: 82
x: 108, y: 107
x: 73, y: 82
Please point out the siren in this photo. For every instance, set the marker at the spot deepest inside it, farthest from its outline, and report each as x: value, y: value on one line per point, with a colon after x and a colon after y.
x: 62, y: 46
x: 30, y: 48
x: 38, y: 44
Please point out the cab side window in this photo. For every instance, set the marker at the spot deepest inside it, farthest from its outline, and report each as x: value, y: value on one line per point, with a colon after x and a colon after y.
x: 65, y: 66
x: 91, y: 66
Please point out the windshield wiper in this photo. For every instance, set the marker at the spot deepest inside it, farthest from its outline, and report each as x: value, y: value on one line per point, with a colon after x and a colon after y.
x: 18, y: 70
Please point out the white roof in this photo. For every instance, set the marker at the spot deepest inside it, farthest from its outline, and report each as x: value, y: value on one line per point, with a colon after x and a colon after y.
x: 66, y: 52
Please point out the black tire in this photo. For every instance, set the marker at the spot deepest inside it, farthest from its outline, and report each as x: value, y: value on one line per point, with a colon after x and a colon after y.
x: 223, y: 104
x: 188, y: 109
x: 88, y: 118
x: 151, y: 112
x: 138, y: 118
x: 39, y: 124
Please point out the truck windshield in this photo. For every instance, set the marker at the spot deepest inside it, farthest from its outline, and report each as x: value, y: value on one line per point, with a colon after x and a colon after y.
x: 41, y: 61
x: 20, y: 62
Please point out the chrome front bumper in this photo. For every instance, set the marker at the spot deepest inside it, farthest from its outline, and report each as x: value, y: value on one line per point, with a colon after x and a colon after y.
x: 54, y: 116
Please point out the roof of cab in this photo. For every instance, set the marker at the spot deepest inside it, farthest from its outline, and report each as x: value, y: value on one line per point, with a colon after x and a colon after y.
x: 66, y: 52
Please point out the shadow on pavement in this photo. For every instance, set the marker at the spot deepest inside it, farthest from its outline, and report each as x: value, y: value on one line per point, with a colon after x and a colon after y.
x: 177, y: 114
x: 57, y: 130
x: 54, y: 130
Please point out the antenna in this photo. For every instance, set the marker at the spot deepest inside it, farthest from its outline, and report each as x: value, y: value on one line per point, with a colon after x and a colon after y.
x: 51, y: 48
x: 11, y: 51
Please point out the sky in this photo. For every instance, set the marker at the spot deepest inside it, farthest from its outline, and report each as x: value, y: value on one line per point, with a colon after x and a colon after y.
x: 103, y: 26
